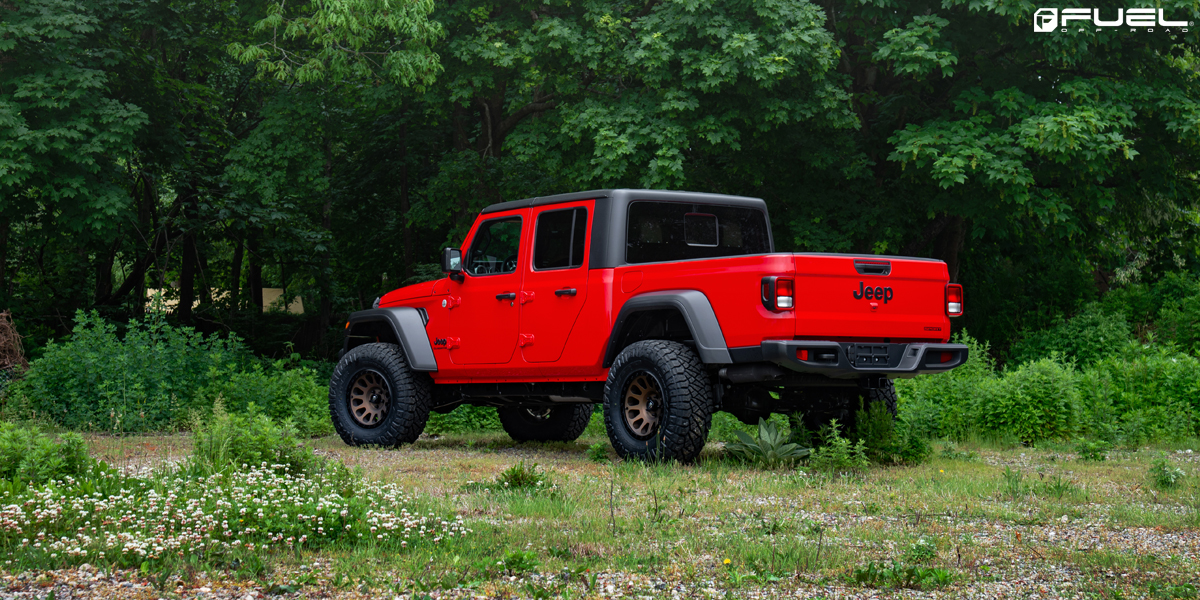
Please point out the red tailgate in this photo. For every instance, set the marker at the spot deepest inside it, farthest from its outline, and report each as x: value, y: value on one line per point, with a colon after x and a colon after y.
x: 842, y: 297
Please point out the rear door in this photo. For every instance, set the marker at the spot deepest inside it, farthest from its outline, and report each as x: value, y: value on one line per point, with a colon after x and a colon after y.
x: 870, y: 297
x: 484, y: 311
x: 555, y: 285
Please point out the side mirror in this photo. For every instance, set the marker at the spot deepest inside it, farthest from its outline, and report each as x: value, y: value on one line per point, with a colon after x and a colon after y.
x: 452, y: 263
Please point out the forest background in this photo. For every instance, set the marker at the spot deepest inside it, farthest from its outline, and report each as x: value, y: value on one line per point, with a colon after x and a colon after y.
x: 331, y: 149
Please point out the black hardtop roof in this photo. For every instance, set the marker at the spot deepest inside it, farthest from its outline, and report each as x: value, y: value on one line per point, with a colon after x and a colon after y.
x: 629, y: 194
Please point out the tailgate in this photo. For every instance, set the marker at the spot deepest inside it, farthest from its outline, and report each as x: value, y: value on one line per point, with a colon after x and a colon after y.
x: 843, y: 296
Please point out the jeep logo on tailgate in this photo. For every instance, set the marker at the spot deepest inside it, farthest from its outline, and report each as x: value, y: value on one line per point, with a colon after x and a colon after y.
x: 873, y: 293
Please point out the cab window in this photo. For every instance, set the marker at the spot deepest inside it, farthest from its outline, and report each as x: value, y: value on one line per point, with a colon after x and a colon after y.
x: 495, y: 248
x: 559, y: 239
x: 669, y: 231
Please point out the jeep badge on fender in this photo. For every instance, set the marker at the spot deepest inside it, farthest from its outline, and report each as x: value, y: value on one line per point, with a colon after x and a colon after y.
x: 876, y: 293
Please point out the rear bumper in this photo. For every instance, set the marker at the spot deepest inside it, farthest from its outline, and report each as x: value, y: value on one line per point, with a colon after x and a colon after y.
x: 848, y: 360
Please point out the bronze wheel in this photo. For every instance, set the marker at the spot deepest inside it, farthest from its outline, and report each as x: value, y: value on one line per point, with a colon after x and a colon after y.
x: 369, y: 398
x: 642, y: 405
x: 658, y: 402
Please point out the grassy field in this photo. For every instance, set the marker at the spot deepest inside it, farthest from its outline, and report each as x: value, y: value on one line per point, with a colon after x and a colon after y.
x: 976, y: 521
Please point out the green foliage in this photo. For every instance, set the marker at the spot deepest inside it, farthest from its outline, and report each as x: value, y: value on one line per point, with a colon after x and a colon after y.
x: 523, y: 478
x: 35, y: 458
x: 1085, y: 338
x: 1179, y: 322
x: 598, y: 452
x: 1036, y: 401
x: 1136, y: 393
x: 520, y: 562
x: 1093, y: 450
x: 1164, y: 474
x: 1013, y: 486
x: 464, y: 419
x: 943, y: 405
x: 920, y: 551
x: 837, y: 454
x: 230, y: 441
x: 346, y: 40
x: 769, y: 450
x: 1144, y: 393
x: 63, y: 130
x: 900, y: 576
x: 144, y: 382
x: 887, y: 440
x: 950, y: 451
x: 281, y: 394
x: 725, y: 426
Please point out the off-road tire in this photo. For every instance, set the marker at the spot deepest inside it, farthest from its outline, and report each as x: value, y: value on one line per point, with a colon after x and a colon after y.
x: 686, y: 407
x: 560, y: 424
x: 409, y: 394
x: 885, y: 394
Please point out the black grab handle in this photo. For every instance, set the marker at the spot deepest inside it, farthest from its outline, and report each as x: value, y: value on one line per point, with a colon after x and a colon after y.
x: 565, y: 292
x: 507, y: 296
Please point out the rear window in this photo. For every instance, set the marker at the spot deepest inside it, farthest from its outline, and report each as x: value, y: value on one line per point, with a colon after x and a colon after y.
x: 666, y: 231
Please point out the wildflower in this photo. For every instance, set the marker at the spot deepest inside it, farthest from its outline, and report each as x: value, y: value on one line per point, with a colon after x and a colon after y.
x: 727, y: 561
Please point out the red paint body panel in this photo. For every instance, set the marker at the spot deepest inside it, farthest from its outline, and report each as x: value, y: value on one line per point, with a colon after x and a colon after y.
x: 732, y: 287
x: 826, y: 308
x: 546, y: 316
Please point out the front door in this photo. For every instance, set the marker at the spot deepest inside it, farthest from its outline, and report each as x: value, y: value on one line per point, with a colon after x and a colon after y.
x: 554, y: 289
x: 483, y: 317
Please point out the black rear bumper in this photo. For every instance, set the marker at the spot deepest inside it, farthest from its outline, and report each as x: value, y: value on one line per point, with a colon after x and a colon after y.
x: 850, y: 360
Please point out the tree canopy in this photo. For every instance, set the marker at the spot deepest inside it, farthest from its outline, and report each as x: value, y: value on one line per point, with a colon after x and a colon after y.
x: 332, y: 148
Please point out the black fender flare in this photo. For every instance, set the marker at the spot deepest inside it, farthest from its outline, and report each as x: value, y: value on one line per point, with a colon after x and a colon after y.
x: 697, y: 312
x: 408, y: 326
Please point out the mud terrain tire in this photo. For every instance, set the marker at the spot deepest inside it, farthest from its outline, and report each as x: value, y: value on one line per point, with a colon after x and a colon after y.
x: 658, y: 402
x: 556, y: 424
x: 376, y: 399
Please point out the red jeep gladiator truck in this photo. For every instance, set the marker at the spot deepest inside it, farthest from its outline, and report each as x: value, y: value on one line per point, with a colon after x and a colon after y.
x: 662, y: 306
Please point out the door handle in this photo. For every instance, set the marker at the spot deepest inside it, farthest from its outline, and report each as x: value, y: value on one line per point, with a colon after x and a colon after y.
x: 507, y: 296
x: 565, y: 292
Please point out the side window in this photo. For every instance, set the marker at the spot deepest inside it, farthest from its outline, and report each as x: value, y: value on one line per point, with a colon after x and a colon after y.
x: 668, y: 231
x: 559, y: 240
x: 495, y: 248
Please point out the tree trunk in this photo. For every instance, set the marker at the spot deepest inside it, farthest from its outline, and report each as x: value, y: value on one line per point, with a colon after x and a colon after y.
x: 235, y: 277
x: 254, y: 276
x: 187, y: 279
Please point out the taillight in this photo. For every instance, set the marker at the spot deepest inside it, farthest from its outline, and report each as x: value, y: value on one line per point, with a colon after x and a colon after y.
x: 778, y: 293
x: 785, y: 293
x: 954, y: 300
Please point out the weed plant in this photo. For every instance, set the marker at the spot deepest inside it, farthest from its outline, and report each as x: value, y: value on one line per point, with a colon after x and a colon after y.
x: 295, y: 395
x: 769, y: 449
x: 31, y: 457
x: 598, y: 452
x: 900, y: 575
x: 1164, y: 474
x: 837, y: 454
x: 1093, y: 450
x: 520, y: 478
x: 888, y: 440
x: 230, y: 441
